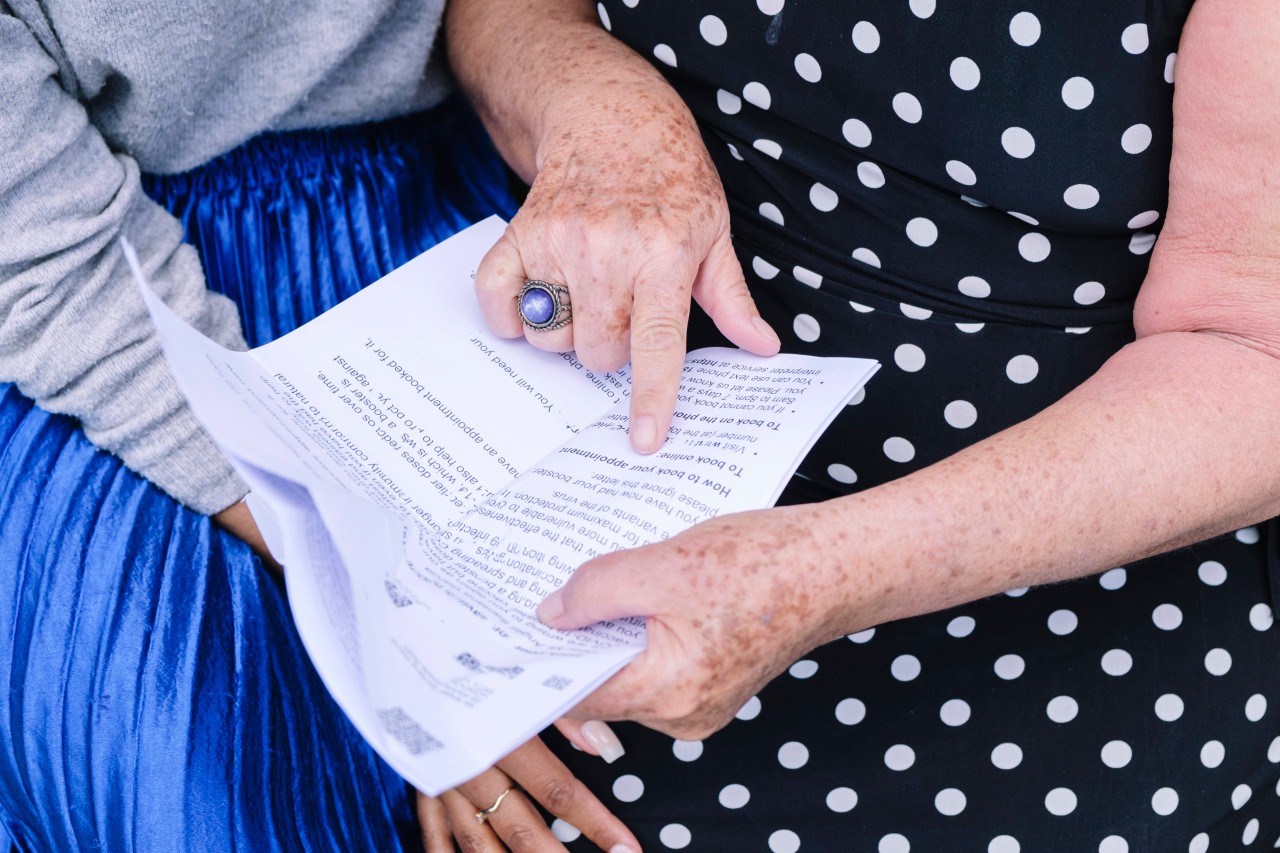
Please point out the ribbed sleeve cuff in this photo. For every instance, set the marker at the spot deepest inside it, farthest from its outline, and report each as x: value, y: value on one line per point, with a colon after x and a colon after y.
x: 183, y: 461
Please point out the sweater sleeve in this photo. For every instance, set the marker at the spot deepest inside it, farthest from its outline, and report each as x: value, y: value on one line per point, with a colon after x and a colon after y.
x: 74, y: 333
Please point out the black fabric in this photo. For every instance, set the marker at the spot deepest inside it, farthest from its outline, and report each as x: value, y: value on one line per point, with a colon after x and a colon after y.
x: 887, y: 203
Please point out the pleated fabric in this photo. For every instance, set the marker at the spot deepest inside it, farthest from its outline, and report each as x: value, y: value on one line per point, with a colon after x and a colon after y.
x: 154, y: 694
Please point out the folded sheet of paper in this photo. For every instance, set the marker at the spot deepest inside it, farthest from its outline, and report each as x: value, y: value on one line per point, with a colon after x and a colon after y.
x: 426, y: 484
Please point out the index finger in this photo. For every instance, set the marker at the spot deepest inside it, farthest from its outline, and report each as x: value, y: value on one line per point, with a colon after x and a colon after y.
x: 659, y: 319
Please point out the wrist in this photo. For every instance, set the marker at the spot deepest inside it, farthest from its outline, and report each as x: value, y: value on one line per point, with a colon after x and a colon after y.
x: 517, y: 61
x: 821, y: 575
x: 239, y: 521
x: 604, y: 89
x: 874, y: 567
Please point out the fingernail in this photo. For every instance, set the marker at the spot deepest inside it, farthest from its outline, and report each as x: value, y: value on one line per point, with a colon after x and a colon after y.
x: 765, y: 329
x: 599, y: 735
x: 551, y: 607
x: 644, y: 434
x: 621, y: 848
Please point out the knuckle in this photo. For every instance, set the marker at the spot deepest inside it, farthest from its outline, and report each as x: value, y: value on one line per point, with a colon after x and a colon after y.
x: 683, y: 710
x: 491, y: 283
x: 523, y: 837
x: 688, y: 723
x: 586, y: 574
x: 710, y: 718
x: 671, y: 730
x: 560, y: 795
x: 659, y: 332
x: 699, y: 730
x: 732, y: 296
x: 471, y: 841
x: 500, y: 262
x: 604, y: 358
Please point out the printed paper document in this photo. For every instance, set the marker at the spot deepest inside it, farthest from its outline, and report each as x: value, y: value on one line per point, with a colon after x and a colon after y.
x: 426, y: 484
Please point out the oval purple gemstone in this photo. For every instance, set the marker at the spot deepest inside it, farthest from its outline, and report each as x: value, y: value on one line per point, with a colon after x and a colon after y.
x: 537, y: 307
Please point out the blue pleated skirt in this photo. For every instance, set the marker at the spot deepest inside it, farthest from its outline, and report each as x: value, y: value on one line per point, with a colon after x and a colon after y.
x: 154, y: 695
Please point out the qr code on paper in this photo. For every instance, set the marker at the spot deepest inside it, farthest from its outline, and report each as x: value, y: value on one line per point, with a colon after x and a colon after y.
x: 406, y: 730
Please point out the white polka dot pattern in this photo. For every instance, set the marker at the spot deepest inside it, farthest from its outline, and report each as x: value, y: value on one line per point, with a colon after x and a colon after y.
x: 851, y: 712
x: 1062, y: 622
x: 866, y: 37
x: 628, y: 788
x: 564, y: 831
x: 784, y: 841
x: 1006, y: 756
x: 687, y: 750
x: 713, y: 30
x: 971, y: 194
x: 955, y: 712
x: 793, y: 755
x: 908, y: 107
x: 1164, y: 802
x: 675, y: 836
x: 842, y: 800
x: 1077, y: 93
x: 899, y: 757
x: 1062, y: 709
x: 1024, y: 29
x: 1117, y: 754
x: 1060, y: 801
x: 734, y: 796
x: 750, y: 710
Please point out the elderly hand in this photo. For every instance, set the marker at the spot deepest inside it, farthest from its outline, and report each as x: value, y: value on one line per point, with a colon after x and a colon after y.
x: 530, y: 773
x: 730, y: 603
x: 628, y: 213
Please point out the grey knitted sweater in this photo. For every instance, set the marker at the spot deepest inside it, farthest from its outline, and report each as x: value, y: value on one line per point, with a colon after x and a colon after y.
x: 91, y: 92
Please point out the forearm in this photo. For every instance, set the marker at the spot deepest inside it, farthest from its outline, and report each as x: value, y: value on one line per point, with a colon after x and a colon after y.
x: 74, y: 334
x: 1172, y: 441
x: 523, y: 64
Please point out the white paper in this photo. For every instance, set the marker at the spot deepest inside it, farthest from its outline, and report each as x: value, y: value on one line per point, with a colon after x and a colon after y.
x: 426, y: 484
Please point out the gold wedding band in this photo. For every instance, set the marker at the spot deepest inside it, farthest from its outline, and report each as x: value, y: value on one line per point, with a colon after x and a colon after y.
x: 484, y: 814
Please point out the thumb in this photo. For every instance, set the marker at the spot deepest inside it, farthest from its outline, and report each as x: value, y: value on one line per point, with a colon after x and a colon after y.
x: 608, y: 587
x: 722, y: 292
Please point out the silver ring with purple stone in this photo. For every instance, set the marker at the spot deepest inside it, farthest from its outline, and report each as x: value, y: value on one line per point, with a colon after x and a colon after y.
x: 544, y: 306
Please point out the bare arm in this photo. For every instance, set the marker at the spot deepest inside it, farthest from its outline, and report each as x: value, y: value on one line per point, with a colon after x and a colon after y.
x: 1175, y: 439
x: 520, y: 63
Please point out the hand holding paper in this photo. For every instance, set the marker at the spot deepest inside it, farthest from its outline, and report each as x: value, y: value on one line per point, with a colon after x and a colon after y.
x: 731, y: 603
x: 431, y: 483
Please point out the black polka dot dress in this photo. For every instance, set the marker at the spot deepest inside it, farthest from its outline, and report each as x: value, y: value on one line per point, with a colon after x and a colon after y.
x: 969, y: 192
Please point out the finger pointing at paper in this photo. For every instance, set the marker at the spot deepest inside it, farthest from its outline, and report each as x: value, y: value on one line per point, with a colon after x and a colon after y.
x: 627, y: 213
